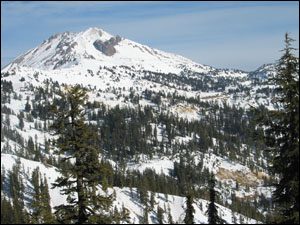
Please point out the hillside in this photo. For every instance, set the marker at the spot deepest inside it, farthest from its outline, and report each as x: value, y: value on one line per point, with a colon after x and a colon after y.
x: 159, y: 117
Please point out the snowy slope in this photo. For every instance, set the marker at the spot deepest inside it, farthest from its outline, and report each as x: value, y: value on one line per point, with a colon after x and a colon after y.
x: 77, y: 49
x: 173, y: 204
x: 112, y: 68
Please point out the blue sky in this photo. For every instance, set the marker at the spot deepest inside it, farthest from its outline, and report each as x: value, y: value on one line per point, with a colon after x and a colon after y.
x: 242, y: 35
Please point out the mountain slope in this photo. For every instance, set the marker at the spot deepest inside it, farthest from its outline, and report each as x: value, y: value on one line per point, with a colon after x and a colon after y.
x: 98, y: 47
x: 159, y: 115
x: 175, y: 205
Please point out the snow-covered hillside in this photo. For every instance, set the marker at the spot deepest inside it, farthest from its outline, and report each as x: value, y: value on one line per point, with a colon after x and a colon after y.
x: 174, y: 205
x: 189, y: 116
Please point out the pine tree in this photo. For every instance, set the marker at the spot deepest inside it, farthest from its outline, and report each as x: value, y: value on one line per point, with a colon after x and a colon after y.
x: 282, y: 135
x: 21, y: 120
x: 35, y: 216
x: 41, y: 200
x: 27, y: 106
x: 212, y: 211
x: 170, y: 218
x: 46, y: 212
x: 17, y: 188
x: 80, y: 179
x: 144, y: 218
x: 7, y: 212
x: 189, y: 213
x: 160, y: 215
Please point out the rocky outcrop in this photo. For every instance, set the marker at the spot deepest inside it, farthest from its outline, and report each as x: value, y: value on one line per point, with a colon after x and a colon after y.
x: 107, y: 47
x: 248, y: 179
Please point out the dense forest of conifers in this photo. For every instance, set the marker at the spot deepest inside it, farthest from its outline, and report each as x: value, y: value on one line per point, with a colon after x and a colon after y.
x: 126, y: 134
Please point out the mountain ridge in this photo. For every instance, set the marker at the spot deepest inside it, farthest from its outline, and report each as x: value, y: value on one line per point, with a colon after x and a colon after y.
x: 67, y: 49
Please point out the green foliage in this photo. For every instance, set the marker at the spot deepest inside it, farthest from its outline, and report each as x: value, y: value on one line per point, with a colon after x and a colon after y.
x: 160, y: 215
x: 144, y: 218
x: 12, y: 211
x: 80, y: 179
x: 7, y: 212
x: 284, y: 131
x: 40, y: 205
x: 282, y: 135
x: 189, y: 213
x: 212, y: 210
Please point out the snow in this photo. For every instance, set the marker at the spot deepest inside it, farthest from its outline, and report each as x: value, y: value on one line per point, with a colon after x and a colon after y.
x: 159, y: 165
x: 128, y: 52
x: 130, y: 58
x: 27, y: 166
x: 124, y: 196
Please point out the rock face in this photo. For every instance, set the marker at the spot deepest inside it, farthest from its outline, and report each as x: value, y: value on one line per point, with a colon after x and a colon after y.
x: 107, y: 47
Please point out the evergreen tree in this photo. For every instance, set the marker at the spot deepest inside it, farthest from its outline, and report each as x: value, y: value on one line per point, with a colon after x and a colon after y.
x: 282, y: 135
x: 17, y: 188
x: 189, y: 213
x: 152, y: 199
x: 80, y: 179
x: 122, y: 216
x: 160, y: 215
x: 35, y: 217
x: 45, y: 203
x: 41, y: 200
x: 170, y: 218
x: 27, y: 106
x: 144, y: 218
x: 284, y: 141
x: 7, y: 212
x: 21, y: 122
x: 212, y: 212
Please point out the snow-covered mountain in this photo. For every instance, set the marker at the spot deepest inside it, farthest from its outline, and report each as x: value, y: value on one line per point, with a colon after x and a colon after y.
x: 95, y: 46
x: 100, y: 60
x: 121, y: 74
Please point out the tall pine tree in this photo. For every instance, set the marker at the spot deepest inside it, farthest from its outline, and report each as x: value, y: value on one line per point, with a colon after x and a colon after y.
x: 212, y: 211
x: 80, y: 179
x: 282, y: 135
x: 41, y: 200
x: 189, y: 213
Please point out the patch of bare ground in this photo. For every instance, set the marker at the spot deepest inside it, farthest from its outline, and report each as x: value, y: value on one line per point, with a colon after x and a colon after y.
x: 249, y: 179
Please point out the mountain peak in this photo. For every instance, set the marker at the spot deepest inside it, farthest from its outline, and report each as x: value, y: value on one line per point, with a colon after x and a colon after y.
x: 96, y: 47
x: 92, y: 31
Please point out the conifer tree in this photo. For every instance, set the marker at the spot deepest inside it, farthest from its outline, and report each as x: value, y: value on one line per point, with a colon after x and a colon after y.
x: 160, y: 215
x: 35, y: 216
x: 17, y: 188
x: 170, y: 218
x: 189, y: 213
x: 7, y: 212
x: 80, y: 179
x: 41, y: 200
x: 45, y: 203
x: 212, y: 212
x: 144, y: 218
x: 282, y: 135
